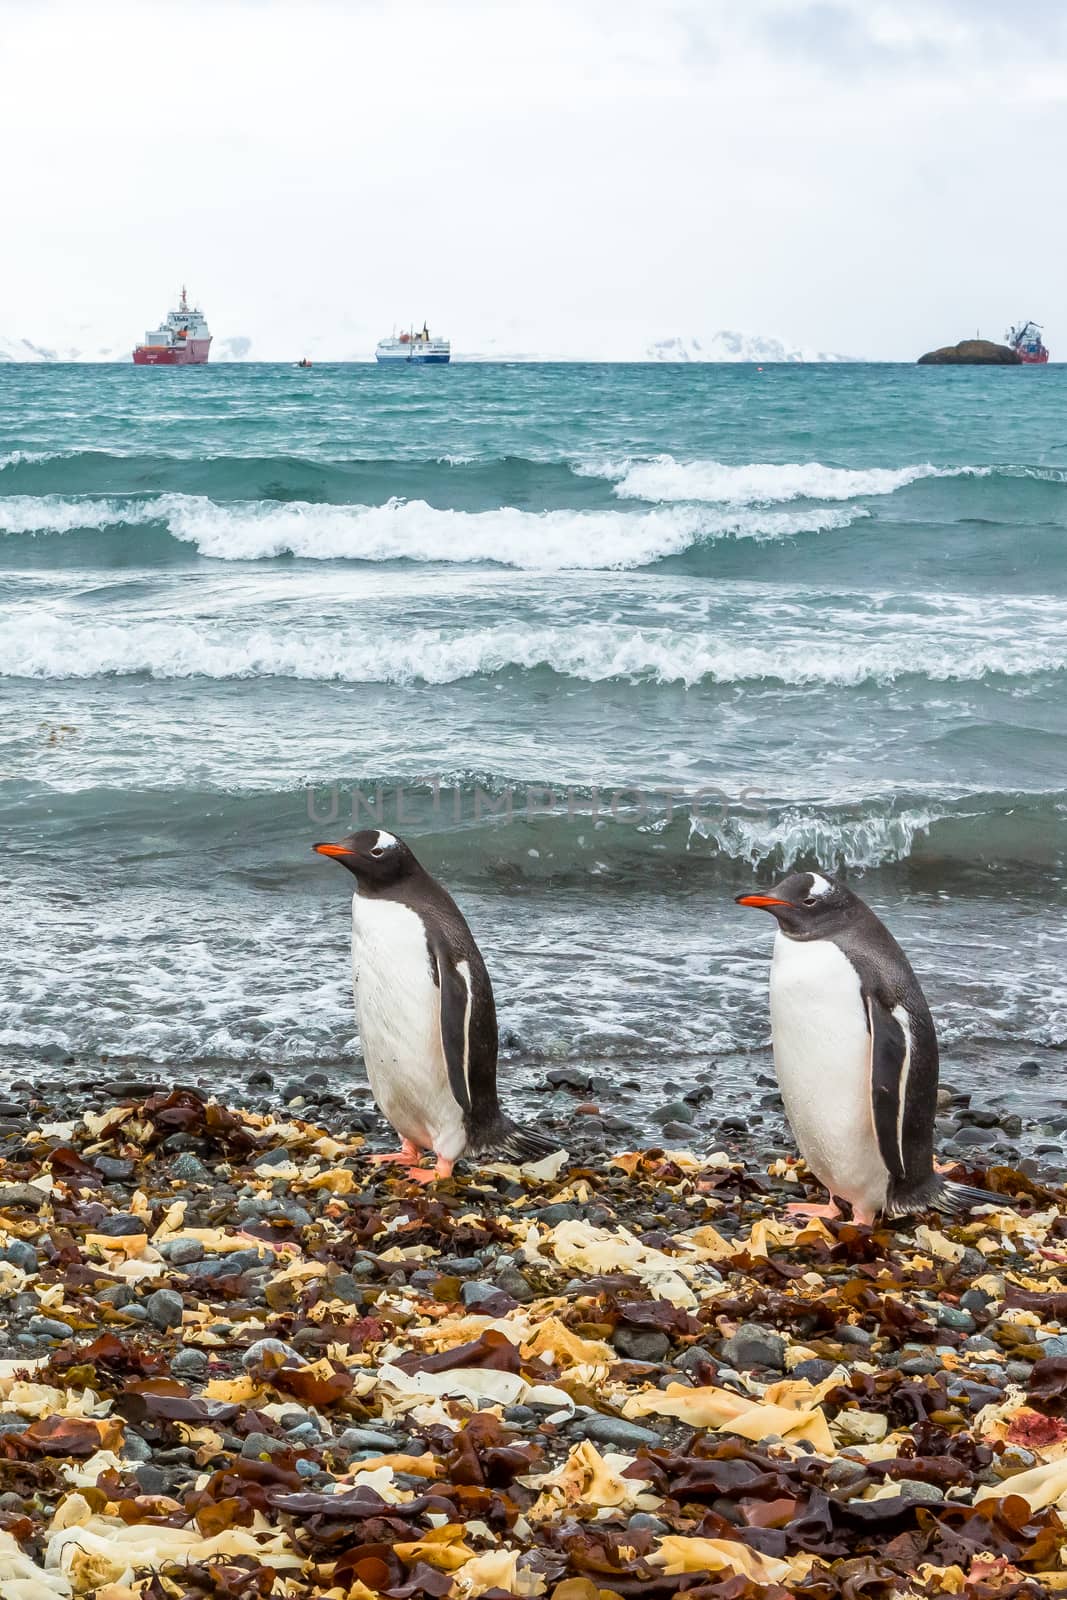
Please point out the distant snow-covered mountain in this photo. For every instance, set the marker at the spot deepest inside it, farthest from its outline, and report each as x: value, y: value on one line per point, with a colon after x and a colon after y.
x: 725, y: 345
x: 730, y: 345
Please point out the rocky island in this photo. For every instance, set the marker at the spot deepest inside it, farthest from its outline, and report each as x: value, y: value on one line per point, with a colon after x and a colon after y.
x: 972, y: 353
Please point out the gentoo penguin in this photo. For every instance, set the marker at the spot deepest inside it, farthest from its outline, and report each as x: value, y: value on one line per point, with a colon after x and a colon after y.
x: 855, y: 1052
x: 427, y: 1020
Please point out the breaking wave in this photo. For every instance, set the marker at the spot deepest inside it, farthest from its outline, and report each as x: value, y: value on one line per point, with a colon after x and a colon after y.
x: 759, y: 483
x: 58, y: 647
x: 414, y: 531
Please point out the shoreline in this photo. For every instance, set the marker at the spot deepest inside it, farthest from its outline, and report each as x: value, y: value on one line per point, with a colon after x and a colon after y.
x: 236, y: 1345
x: 996, y: 1106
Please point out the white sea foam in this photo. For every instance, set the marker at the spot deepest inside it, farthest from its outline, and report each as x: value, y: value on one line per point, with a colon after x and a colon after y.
x: 15, y: 458
x: 412, y: 530
x: 805, y: 835
x: 59, y: 647
x: 663, y: 478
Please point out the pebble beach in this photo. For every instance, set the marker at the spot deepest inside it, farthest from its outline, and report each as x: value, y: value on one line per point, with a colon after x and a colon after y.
x: 243, y: 1360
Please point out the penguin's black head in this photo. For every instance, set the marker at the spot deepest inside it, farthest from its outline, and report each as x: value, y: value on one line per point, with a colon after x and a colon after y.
x: 807, y: 905
x: 376, y: 857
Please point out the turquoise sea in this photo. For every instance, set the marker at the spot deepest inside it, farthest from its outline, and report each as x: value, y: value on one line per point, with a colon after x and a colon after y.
x: 618, y: 641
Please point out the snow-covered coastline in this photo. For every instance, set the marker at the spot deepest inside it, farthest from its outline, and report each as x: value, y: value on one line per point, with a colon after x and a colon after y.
x: 723, y: 345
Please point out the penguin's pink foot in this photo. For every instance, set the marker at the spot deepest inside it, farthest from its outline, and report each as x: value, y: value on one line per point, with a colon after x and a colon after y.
x: 798, y: 1210
x: 863, y: 1219
x: 406, y: 1156
x: 443, y: 1169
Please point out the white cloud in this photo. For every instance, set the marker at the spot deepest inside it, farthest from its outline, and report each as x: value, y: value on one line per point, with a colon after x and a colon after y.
x: 869, y: 177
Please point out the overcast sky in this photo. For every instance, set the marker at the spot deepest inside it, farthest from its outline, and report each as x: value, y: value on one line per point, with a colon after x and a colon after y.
x: 866, y: 176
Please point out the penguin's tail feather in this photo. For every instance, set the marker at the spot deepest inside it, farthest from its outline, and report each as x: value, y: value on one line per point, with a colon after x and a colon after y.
x: 957, y: 1198
x: 940, y: 1194
x: 514, y: 1142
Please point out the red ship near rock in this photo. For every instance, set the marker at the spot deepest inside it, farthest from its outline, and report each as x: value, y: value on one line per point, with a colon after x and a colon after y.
x: 1028, y: 344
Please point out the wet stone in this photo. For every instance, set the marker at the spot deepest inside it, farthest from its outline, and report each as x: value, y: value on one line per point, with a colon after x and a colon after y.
x: 189, y: 1363
x: 370, y: 1439
x: 180, y: 1252
x: 753, y: 1346
x: 914, y: 1491
x: 50, y: 1328
x: 121, y: 1224
x: 150, y: 1479
x: 112, y: 1169
x: 674, y: 1111
x: 20, y: 1254
x: 613, y: 1431
x: 189, y: 1167
x: 21, y: 1197
x: 262, y: 1444
x: 164, y: 1309
x: 270, y: 1347
x: 641, y: 1344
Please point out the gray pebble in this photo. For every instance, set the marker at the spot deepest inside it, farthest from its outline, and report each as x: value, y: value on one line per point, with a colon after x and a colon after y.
x: 674, y: 1111
x: 261, y: 1444
x: 113, y: 1169
x: 615, y: 1431
x: 189, y: 1167
x: 953, y: 1317
x: 21, y: 1197
x: 915, y: 1492
x: 20, y: 1254
x: 345, y: 1288
x: 1054, y: 1347
x: 189, y: 1363
x: 150, y: 1479
x: 851, y: 1333
x: 644, y: 1522
x: 134, y: 1448
x: 279, y: 1157
x: 641, y: 1344
x: 180, y: 1252
x: 694, y: 1357
x: 460, y: 1266
x: 50, y: 1328
x: 120, y: 1224
x: 274, y: 1347
x: 753, y: 1346
x: 372, y: 1439
x: 474, y: 1293
x: 164, y: 1309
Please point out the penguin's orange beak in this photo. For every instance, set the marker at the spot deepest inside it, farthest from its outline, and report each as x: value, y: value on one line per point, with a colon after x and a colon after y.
x: 762, y: 902
x: 338, y: 851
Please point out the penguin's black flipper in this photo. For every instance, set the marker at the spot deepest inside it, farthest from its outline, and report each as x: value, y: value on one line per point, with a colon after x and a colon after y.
x: 469, y: 1051
x: 903, y: 1105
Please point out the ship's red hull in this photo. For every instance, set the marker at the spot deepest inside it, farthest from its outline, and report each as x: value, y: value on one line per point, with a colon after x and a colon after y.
x: 192, y: 354
x: 1034, y: 358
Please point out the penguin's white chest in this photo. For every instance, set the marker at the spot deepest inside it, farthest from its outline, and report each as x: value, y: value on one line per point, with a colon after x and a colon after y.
x: 398, y: 1007
x: 822, y: 1057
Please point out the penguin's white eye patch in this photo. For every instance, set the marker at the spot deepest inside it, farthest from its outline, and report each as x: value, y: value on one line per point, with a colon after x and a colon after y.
x: 386, y: 841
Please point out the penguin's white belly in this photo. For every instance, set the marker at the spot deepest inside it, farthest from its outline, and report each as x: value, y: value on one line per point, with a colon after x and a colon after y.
x: 822, y: 1059
x: 398, y: 1007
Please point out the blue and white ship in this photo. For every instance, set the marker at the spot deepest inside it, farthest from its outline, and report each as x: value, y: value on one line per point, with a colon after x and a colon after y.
x: 417, y: 346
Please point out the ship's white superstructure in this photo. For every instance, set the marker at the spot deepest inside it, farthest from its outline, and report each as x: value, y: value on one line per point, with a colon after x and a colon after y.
x: 417, y: 346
